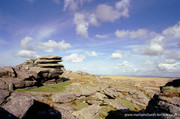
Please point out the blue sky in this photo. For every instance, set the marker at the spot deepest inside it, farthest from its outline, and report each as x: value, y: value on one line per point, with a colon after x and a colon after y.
x: 117, y: 37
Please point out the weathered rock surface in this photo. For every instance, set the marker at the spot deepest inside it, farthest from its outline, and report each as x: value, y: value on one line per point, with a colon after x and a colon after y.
x: 66, y: 111
x: 63, y: 97
x: 3, y: 95
x: 19, y: 104
x: 32, y: 72
x: 90, y: 112
x: 166, y: 104
x: 115, y: 104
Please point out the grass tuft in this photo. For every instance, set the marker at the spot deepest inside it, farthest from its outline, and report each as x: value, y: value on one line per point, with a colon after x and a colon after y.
x: 60, y: 87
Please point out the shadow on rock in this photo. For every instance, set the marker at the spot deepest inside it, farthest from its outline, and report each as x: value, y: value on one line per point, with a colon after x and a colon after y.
x: 174, y: 83
x: 6, y: 115
x: 42, y: 111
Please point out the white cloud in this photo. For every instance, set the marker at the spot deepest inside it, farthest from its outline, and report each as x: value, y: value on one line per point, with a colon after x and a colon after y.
x: 172, y: 32
x: 62, y: 45
x: 125, y: 64
x: 26, y: 43
x: 122, y: 33
x: 170, y: 67
x: 116, y: 55
x: 81, y: 25
x: 27, y: 54
x: 74, y: 57
x: 93, y: 20
x: 154, y: 47
x: 140, y: 34
x: 172, y: 54
x: 108, y: 13
x: 73, y: 5
x: 92, y: 54
x: 51, y: 45
x: 101, y: 36
x: 123, y: 6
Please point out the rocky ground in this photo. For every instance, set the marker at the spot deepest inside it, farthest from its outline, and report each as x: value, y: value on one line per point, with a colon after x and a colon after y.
x: 80, y: 95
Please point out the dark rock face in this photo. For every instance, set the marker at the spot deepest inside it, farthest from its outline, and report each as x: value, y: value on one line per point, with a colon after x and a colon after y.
x: 31, y: 73
x: 20, y: 106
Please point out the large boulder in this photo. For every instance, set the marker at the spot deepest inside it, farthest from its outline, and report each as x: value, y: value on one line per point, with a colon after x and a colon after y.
x: 18, y: 105
x: 32, y: 72
x: 167, y: 102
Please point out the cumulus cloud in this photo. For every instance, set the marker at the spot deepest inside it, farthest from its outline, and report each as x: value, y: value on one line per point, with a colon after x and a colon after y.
x: 140, y: 34
x: 26, y: 43
x: 27, y: 54
x: 170, y: 67
x: 125, y: 64
x: 74, y: 57
x: 154, y: 47
x: 116, y: 55
x: 51, y: 45
x: 93, y: 20
x: 164, y: 44
x: 101, y: 36
x: 81, y: 25
x: 63, y: 45
x: 172, y: 54
x: 73, y: 5
x: 92, y: 54
x: 172, y: 32
x: 108, y: 13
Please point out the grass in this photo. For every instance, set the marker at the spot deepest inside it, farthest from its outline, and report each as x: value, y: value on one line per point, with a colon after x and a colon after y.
x: 60, y: 87
x: 126, y: 103
x: 171, y: 89
x: 78, y: 104
x: 103, y: 113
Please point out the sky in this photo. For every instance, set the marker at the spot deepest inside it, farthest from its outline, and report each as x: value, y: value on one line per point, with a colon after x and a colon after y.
x: 102, y: 37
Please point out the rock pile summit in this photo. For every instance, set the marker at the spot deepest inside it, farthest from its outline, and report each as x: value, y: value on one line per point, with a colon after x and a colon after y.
x: 33, y: 72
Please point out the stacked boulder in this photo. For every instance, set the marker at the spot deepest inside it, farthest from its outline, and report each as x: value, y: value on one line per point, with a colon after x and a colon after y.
x: 32, y: 72
x: 166, y: 105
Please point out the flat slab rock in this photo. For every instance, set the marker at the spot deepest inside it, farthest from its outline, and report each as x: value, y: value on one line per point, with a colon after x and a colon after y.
x: 19, y: 104
x: 115, y: 104
x: 90, y: 112
x: 64, y: 97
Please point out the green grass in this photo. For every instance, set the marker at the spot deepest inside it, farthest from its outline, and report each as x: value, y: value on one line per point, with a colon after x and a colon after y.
x: 126, y: 103
x: 171, y: 89
x: 103, y: 113
x: 78, y: 104
x: 60, y: 87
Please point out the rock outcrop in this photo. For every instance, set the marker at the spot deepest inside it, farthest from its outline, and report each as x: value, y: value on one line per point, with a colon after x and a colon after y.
x: 32, y: 72
x: 167, y: 103
x: 18, y: 105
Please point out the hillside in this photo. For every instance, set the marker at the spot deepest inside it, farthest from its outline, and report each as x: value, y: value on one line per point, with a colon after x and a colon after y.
x: 75, y: 95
